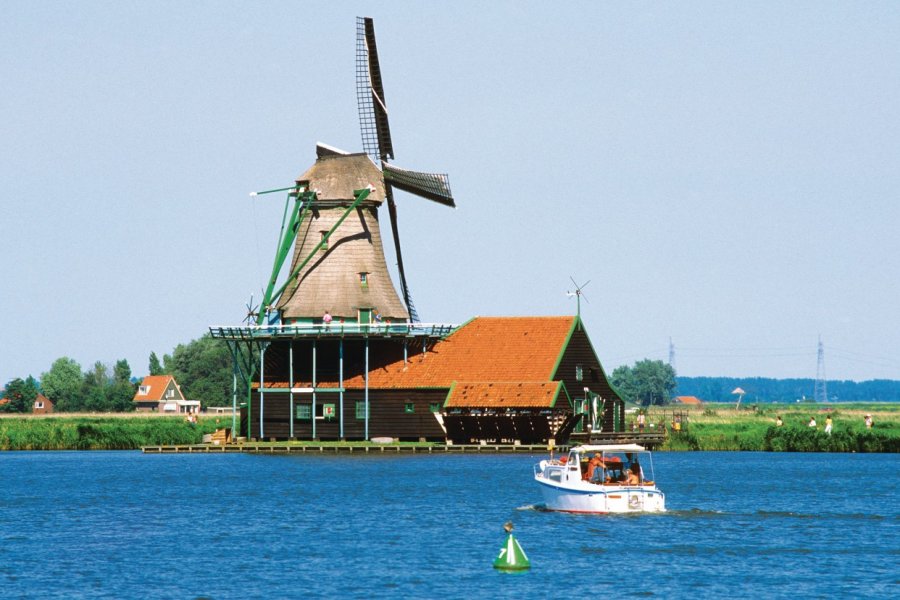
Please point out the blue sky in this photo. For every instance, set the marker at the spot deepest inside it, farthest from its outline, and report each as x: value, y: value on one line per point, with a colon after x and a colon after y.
x: 724, y: 174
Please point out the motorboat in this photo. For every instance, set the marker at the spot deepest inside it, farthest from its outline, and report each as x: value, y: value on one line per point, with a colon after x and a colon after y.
x: 600, y: 479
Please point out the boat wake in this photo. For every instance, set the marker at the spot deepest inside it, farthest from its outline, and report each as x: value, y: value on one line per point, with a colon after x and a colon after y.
x: 535, y: 507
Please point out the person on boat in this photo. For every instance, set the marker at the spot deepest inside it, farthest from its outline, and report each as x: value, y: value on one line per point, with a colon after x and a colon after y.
x: 593, y: 473
x: 634, y: 475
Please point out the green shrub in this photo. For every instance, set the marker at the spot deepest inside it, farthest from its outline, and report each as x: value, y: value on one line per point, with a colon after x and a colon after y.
x: 99, y: 433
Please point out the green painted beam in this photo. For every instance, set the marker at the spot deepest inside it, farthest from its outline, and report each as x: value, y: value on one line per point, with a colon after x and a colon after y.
x: 286, y: 238
x: 360, y: 196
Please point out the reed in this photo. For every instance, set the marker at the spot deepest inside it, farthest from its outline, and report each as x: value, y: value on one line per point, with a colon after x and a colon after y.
x: 99, y: 433
x: 723, y: 427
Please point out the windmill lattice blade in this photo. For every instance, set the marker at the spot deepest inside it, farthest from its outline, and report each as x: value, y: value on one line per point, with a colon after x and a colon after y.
x: 373, y: 117
x: 433, y: 186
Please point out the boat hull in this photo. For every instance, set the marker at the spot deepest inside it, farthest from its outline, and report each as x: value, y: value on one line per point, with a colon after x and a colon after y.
x: 601, y: 499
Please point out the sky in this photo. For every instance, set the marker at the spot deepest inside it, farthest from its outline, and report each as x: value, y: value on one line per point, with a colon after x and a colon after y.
x: 724, y: 175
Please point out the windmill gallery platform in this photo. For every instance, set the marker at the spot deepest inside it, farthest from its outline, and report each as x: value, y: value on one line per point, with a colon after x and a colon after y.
x: 333, y: 352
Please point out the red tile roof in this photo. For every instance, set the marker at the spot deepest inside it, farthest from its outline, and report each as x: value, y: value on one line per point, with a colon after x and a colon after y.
x: 157, y: 385
x: 518, y: 349
x: 503, y: 395
x: 688, y: 400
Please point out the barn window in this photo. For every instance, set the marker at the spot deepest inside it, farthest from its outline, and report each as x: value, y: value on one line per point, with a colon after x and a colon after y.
x: 409, y: 408
x: 579, y: 372
x: 144, y: 390
x: 360, y: 410
x: 435, y: 407
x: 364, y: 280
x: 304, y: 411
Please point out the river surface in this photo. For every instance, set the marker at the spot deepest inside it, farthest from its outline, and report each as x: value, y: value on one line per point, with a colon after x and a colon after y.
x: 127, y: 525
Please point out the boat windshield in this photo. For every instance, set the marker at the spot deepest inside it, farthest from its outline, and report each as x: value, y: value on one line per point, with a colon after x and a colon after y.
x: 617, y: 468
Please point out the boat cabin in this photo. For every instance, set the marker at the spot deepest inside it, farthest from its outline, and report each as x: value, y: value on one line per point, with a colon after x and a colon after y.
x: 624, y: 464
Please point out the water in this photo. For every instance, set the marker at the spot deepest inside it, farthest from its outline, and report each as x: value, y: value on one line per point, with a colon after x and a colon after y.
x: 127, y: 525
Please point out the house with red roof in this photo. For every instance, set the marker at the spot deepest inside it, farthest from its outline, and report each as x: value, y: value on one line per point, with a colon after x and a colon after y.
x: 688, y: 400
x: 42, y: 405
x: 160, y: 393
x: 493, y: 379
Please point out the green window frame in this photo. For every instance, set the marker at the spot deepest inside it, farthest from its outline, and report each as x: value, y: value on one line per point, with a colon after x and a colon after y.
x: 360, y: 410
x: 435, y: 407
x: 303, y: 412
x: 409, y: 408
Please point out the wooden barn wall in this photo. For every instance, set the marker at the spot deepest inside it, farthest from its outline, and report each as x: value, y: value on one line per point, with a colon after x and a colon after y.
x: 579, y: 351
x: 387, y: 415
x: 382, y: 351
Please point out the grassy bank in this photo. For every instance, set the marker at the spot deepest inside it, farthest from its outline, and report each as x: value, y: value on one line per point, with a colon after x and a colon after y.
x: 713, y: 427
x: 722, y: 427
x: 99, y: 432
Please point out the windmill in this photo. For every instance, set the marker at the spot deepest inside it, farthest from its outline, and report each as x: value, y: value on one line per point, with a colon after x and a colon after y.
x: 377, y: 143
x: 338, y: 263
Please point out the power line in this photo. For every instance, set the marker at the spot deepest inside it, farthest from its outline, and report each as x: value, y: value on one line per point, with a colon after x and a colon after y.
x: 820, y: 391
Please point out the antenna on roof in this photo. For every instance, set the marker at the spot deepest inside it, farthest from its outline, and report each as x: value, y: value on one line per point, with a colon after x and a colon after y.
x: 578, y: 293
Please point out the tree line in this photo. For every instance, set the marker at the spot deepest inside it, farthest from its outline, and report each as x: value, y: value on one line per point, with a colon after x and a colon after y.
x: 99, y: 389
x: 761, y: 389
x: 202, y: 368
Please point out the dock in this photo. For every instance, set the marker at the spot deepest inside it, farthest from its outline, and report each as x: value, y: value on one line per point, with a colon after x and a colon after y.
x: 648, y: 439
x: 255, y: 448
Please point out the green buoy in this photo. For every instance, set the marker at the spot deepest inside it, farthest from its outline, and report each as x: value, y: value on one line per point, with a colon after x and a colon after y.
x: 512, y: 557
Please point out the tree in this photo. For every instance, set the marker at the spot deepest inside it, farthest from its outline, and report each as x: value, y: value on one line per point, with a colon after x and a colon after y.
x: 648, y: 382
x: 203, y: 369
x: 622, y: 378
x: 155, y: 367
x: 21, y: 395
x: 98, y: 376
x: 122, y: 372
x: 655, y: 381
x: 63, y: 384
x: 120, y: 394
x: 95, y: 400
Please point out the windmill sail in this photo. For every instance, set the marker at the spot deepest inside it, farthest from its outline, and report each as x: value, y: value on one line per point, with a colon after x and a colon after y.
x: 434, y: 186
x: 376, y: 138
x: 373, y: 116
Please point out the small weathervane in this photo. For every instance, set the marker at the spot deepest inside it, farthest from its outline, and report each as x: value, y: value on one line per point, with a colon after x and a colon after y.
x: 578, y: 293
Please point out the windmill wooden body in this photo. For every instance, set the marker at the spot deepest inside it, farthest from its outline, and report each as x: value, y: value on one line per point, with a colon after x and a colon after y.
x: 338, y: 265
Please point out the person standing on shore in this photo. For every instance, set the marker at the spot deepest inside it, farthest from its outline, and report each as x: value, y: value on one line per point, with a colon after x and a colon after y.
x: 869, y: 422
x: 778, y: 421
x: 812, y: 422
x: 828, y: 424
